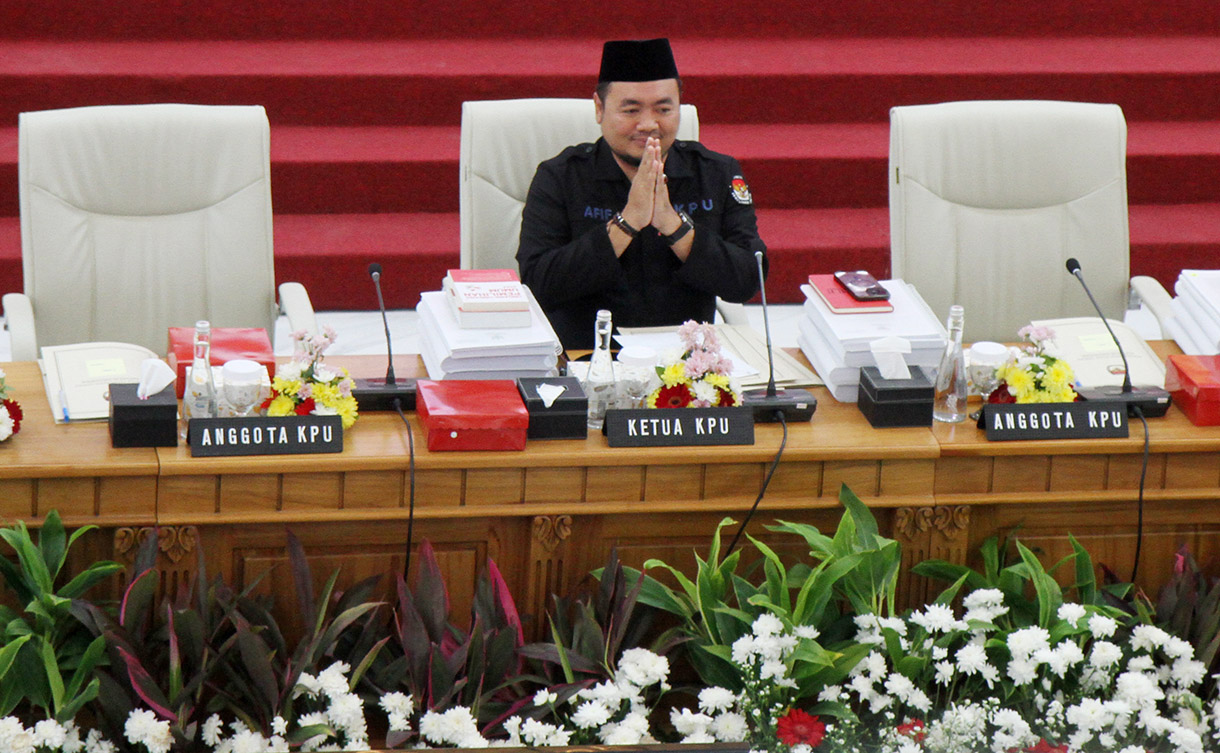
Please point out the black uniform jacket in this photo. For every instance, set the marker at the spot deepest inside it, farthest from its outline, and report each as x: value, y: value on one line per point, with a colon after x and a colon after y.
x: 566, y: 258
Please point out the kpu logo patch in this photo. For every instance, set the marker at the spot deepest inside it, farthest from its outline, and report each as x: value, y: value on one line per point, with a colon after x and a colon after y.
x: 741, y: 192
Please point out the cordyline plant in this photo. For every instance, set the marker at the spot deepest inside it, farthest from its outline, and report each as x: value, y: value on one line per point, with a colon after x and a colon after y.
x: 163, y: 651
x: 590, y: 632
x: 441, y: 664
x: 51, y: 655
x: 1189, y: 607
x: 258, y: 676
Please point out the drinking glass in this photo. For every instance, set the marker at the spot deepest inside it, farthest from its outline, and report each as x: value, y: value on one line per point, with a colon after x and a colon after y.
x: 637, y: 370
x: 985, y: 357
x: 243, y: 385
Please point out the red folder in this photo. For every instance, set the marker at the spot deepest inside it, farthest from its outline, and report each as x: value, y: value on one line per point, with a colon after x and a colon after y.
x: 228, y: 343
x: 472, y: 414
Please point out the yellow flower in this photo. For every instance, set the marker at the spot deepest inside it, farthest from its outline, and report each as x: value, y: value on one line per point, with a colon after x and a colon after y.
x: 1020, y: 383
x: 675, y: 373
x: 346, y: 408
x: 286, y: 387
x: 282, y: 405
x: 718, y: 380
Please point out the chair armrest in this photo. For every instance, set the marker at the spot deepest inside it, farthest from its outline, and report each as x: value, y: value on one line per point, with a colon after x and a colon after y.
x: 19, y: 314
x: 295, y: 304
x: 732, y: 313
x: 1154, y: 296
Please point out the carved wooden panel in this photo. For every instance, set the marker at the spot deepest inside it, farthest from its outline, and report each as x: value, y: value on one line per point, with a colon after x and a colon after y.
x: 548, y: 567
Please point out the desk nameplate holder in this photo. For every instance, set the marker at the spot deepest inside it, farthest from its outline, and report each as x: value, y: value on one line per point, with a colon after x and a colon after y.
x: 1079, y: 420
x: 679, y: 427
x: 265, y: 435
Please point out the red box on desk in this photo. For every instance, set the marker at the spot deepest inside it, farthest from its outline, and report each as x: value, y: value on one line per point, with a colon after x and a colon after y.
x: 470, y: 414
x: 228, y: 343
x: 1194, y: 382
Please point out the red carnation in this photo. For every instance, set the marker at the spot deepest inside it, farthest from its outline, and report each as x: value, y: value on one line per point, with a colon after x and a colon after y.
x: 1001, y: 395
x: 678, y: 396
x: 1044, y: 747
x: 797, y: 727
x: 913, y: 729
x: 14, y: 412
x: 305, y: 407
x: 726, y: 398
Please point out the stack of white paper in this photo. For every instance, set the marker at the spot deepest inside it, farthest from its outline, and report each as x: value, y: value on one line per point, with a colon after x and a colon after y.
x: 1196, y: 312
x: 453, y: 352
x: 838, y: 344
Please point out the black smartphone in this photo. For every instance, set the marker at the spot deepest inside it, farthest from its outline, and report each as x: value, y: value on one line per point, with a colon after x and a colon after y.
x: 862, y: 286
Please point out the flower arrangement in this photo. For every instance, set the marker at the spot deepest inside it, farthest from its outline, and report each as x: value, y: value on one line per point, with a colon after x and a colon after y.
x: 699, y: 377
x: 10, y: 412
x: 306, y: 385
x: 1033, y: 375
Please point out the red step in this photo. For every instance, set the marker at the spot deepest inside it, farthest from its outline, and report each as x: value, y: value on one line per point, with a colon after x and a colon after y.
x: 799, y: 80
x: 151, y: 19
x: 789, y: 166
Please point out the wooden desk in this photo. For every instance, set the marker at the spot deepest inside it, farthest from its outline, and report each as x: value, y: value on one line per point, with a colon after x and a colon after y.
x: 551, y: 513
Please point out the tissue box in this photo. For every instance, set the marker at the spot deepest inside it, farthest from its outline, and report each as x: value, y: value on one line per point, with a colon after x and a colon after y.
x: 228, y: 343
x: 1194, y: 383
x: 566, y: 418
x: 143, y: 423
x: 469, y: 414
x: 895, y: 402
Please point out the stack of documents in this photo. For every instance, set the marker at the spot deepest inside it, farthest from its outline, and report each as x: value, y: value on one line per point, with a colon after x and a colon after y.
x: 838, y: 345
x: 453, y: 352
x: 1195, y: 325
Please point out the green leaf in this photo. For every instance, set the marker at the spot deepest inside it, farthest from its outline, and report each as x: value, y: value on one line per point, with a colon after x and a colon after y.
x: 94, y: 574
x: 52, y: 543
x: 1086, y: 578
x: 50, y: 665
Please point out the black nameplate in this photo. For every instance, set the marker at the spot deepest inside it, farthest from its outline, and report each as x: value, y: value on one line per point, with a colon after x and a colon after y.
x: 1081, y: 420
x: 265, y: 435
x: 676, y: 427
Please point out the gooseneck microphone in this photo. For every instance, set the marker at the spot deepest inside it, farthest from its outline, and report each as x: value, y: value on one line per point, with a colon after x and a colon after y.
x: 381, y: 394
x: 1152, y: 402
x: 771, y: 404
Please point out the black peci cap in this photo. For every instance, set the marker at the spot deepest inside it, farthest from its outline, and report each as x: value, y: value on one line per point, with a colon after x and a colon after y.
x: 637, y: 60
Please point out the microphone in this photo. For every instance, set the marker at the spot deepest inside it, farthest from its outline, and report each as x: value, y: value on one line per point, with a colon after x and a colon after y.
x: 1152, y: 402
x: 381, y: 394
x: 771, y: 404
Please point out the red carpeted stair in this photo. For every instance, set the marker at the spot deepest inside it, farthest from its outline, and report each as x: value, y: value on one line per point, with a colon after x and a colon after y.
x: 364, y: 101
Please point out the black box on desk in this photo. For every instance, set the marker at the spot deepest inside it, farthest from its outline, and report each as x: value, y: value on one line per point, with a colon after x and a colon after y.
x: 143, y: 423
x: 895, y: 402
x: 566, y: 418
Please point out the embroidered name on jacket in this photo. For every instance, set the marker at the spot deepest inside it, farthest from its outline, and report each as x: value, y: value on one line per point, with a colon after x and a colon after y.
x: 598, y: 213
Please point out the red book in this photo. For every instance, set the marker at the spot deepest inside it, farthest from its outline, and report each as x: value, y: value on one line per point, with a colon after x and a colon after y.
x: 228, y: 343
x: 839, y: 301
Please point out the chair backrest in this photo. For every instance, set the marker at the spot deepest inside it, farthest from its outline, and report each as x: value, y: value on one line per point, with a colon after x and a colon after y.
x: 135, y: 218
x: 503, y: 141
x: 988, y: 200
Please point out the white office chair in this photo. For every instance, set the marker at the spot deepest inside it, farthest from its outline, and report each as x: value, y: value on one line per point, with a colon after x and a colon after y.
x: 503, y: 141
x: 989, y: 199
x: 136, y: 218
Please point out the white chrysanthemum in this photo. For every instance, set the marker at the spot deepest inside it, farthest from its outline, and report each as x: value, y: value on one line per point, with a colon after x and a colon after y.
x: 937, y: 618
x: 1188, y: 672
x: 729, y: 727
x: 984, y: 605
x: 539, y: 733
x: 1101, y: 626
x: 247, y: 742
x: 899, y: 685
x: 1071, y: 613
x: 917, y: 699
x: 15, y: 737
x: 1062, y: 657
x: 767, y: 624
x: 743, y: 650
x: 1142, y: 663
x: 971, y: 659
x: 545, y: 697
x: 874, y: 666
x: 643, y: 668
x: 279, y: 725
x: 1176, y: 648
x: 95, y: 743
x: 1022, y: 671
x: 604, y: 691
x: 1186, y: 740
x: 50, y: 733
x: 688, y: 723
x: 397, y: 703
x: 1025, y: 642
x: 715, y: 699
x: 591, y: 714
x: 72, y: 741
x: 6, y: 423
x: 308, y: 685
x: 944, y: 672
x: 1137, y: 689
x: 1148, y: 637
x: 144, y: 728
x: 1089, y: 715
x: 807, y: 632
x: 333, y: 679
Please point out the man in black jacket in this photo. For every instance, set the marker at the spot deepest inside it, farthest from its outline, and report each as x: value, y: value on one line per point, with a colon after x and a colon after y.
x: 650, y: 227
